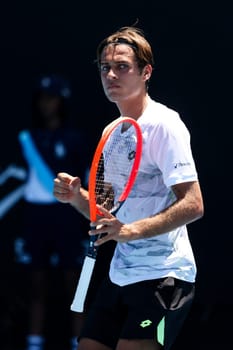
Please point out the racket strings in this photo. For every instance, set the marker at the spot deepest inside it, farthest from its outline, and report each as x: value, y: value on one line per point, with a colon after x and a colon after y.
x: 114, y: 168
x: 104, y: 191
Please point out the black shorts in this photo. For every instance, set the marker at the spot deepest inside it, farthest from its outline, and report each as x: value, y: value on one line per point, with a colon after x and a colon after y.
x: 51, y: 235
x: 135, y: 311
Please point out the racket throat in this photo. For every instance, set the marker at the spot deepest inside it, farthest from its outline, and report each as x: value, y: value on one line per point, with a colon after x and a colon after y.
x: 116, y: 207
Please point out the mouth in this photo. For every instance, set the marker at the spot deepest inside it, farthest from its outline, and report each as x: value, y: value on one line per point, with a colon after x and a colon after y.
x: 112, y: 86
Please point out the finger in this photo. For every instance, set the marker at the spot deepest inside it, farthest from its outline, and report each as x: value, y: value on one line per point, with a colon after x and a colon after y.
x: 61, y: 190
x: 103, y: 239
x: 75, y: 183
x: 104, y: 211
x: 64, y: 177
x: 97, y: 229
x: 60, y: 186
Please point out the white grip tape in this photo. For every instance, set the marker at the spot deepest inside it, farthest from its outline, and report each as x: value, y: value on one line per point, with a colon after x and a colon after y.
x: 83, y: 284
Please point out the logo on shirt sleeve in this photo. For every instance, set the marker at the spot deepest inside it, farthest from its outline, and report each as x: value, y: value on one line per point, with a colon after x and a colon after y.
x: 180, y: 164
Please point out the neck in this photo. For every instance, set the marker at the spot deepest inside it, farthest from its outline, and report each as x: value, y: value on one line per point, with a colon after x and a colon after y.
x: 133, y: 108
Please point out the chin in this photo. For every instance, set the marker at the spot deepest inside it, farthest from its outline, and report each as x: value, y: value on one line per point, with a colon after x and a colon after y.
x: 112, y: 98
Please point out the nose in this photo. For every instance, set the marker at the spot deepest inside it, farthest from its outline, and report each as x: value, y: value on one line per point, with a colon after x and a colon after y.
x: 111, y: 74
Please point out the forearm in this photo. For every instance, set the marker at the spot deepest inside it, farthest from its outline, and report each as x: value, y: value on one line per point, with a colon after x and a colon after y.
x: 163, y: 222
x: 81, y: 203
x: 68, y: 189
x: 182, y: 212
x: 176, y: 215
x: 187, y: 208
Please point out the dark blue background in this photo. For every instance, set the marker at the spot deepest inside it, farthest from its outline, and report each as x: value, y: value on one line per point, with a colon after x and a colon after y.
x: 193, y: 46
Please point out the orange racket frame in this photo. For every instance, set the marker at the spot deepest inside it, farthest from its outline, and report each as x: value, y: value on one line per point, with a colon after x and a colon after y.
x: 89, y: 261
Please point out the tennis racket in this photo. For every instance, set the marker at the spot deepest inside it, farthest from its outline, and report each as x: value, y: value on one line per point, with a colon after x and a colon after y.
x: 112, y: 175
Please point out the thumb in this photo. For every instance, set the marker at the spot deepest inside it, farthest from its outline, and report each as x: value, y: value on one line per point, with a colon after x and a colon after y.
x: 75, y: 184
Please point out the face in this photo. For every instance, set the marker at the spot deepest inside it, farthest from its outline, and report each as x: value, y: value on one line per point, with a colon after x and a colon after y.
x: 48, y: 105
x: 120, y: 75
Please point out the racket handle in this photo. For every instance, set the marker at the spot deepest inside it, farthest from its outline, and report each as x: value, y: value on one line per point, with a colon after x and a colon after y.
x: 92, y: 249
x: 83, y: 284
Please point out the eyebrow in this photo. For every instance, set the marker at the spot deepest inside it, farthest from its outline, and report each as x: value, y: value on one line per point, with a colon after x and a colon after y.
x: 114, y: 61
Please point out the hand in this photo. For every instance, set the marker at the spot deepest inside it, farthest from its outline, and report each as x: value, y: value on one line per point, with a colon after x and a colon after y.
x: 66, y: 188
x: 111, y: 228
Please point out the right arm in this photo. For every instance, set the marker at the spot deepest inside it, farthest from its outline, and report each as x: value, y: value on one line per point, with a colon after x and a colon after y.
x: 67, y: 189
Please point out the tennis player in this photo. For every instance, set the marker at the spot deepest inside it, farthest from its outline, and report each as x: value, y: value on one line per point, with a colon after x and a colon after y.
x: 153, y: 271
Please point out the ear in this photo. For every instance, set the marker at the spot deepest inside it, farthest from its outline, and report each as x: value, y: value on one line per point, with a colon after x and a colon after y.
x: 147, y: 71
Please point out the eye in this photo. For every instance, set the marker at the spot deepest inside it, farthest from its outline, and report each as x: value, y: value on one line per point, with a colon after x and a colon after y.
x: 104, y: 68
x: 122, y: 66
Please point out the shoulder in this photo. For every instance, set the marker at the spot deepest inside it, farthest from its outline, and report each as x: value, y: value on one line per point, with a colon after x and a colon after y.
x: 159, y: 112
x: 158, y: 116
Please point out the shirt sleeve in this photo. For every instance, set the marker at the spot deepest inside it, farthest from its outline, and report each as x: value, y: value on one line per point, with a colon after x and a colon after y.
x: 170, y: 149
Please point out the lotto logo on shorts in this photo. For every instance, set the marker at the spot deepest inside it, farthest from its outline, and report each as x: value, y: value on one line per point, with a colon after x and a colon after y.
x: 145, y: 323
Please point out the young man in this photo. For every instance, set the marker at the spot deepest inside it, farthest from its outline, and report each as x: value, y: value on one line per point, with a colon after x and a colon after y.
x: 153, y: 271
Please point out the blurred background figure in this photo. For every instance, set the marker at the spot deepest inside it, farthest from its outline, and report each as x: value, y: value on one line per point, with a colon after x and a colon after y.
x: 52, y: 242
